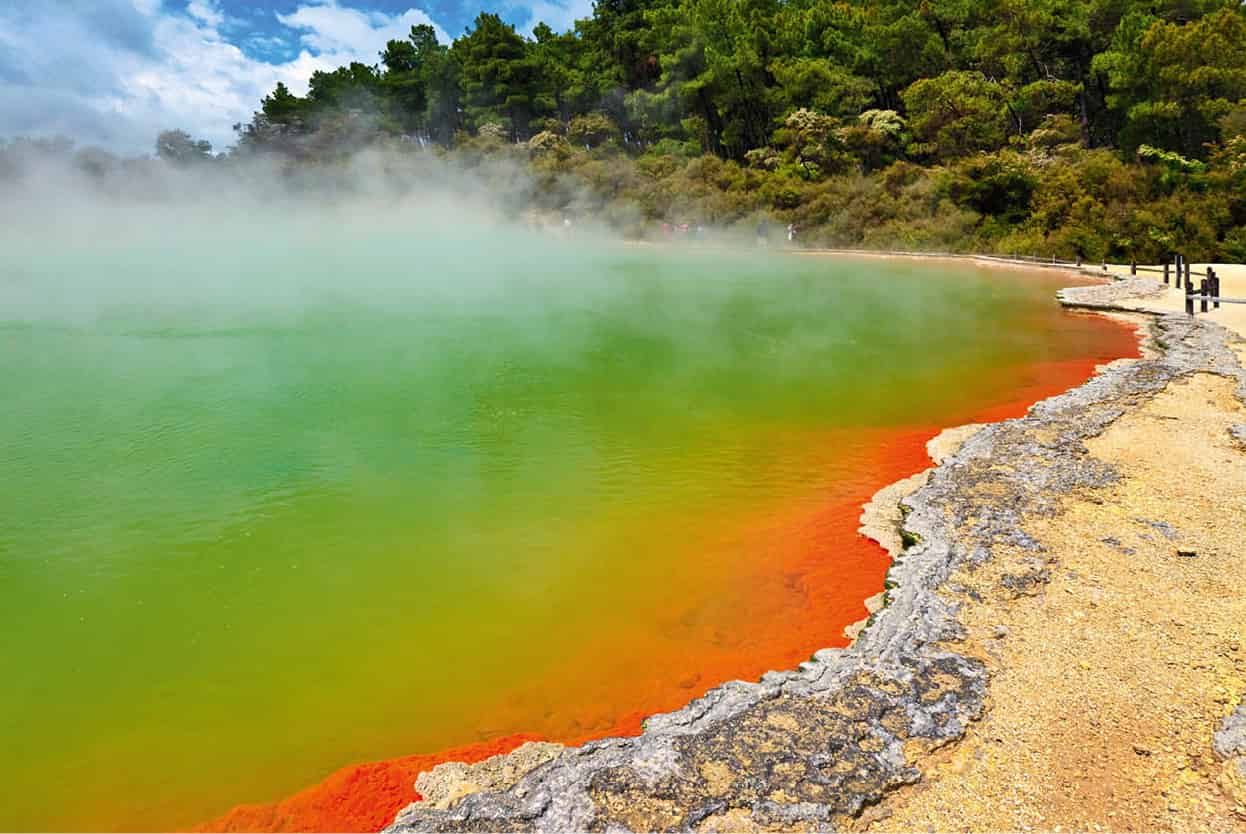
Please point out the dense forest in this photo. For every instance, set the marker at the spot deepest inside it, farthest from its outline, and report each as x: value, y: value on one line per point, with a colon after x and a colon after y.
x: 1099, y: 128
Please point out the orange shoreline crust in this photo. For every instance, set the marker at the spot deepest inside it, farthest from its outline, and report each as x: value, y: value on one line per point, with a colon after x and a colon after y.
x: 366, y: 797
x: 361, y: 797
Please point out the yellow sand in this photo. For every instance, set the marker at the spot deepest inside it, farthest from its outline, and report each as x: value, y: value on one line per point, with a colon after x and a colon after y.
x: 1108, y: 684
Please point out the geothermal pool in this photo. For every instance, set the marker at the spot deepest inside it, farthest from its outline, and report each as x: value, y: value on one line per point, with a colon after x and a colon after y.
x: 281, y: 501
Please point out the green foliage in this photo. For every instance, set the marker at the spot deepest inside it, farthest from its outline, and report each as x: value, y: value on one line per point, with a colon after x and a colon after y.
x: 1170, y: 159
x: 957, y: 113
x: 548, y: 142
x: 283, y: 107
x: 1109, y: 128
x: 592, y: 130
x: 177, y: 147
x: 1053, y: 131
x: 821, y: 85
x: 500, y: 77
x: 874, y: 140
x: 964, y: 76
x: 1234, y: 246
x: 810, y: 144
x: 1000, y: 185
x: 1172, y: 82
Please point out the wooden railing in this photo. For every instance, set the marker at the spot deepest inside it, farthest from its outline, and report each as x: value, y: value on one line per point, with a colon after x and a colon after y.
x: 1182, y: 280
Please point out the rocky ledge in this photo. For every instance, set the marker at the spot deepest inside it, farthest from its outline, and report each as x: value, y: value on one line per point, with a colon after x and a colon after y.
x: 812, y: 748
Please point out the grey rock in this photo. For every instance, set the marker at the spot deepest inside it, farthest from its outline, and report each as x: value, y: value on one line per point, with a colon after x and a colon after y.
x: 1164, y: 527
x: 1116, y: 544
x: 1230, y: 739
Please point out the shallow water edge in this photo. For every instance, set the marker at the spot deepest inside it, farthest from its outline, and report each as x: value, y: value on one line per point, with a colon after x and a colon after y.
x: 383, y: 781
x: 814, y: 746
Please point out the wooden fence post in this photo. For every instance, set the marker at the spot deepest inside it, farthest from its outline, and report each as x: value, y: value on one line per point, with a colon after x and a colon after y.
x: 1215, y: 287
x: 1189, y: 301
x: 1133, y: 266
x: 1165, y: 272
x: 1079, y: 261
x: 1187, y: 272
x: 1203, y: 293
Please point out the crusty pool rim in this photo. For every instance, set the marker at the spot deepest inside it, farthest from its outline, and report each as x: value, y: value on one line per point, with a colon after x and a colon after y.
x: 809, y: 749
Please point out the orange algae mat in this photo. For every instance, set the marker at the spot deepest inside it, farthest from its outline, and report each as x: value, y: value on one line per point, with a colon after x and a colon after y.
x: 795, y: 544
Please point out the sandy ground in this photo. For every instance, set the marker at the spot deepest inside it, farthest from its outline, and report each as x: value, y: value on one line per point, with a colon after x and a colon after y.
x: 1232, y: 285
x: 1109, y: 681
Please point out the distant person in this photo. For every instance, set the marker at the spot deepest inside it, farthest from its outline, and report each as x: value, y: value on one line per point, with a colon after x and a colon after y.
x: 763, y: 233
x: 791, y: 232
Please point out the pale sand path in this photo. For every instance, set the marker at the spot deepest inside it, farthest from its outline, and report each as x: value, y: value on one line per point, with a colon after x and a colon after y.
x: 1232, y: 285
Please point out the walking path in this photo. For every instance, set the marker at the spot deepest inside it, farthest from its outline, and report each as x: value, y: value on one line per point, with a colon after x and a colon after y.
x: 1172, y: 300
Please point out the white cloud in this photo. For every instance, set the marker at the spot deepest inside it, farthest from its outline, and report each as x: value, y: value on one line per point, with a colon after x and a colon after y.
x: 560, y: 15
x: 116, y: 72
x: 205, y: 11
x: 329, y: 28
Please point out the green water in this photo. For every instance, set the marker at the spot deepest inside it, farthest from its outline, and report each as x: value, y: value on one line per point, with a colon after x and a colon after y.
x: 273, y: 503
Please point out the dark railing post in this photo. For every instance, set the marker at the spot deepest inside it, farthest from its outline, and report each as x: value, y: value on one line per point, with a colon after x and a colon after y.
x: 1133, y: 266
x: 1105, y: 265
x: 1165, y: 272
x: 1215, y: 287
x: 1079, y: 261
x: 1189, y: 302
x: 1203, y: 293
x: 1187, y: 272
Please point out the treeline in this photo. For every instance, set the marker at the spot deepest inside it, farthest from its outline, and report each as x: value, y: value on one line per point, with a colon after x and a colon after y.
x: 1107, y: 128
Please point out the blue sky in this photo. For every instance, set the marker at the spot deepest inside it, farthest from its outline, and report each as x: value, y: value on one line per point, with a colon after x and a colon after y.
x: 114, y: 73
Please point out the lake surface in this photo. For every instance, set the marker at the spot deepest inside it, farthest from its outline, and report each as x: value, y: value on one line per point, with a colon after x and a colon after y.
x: 278, y: 501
